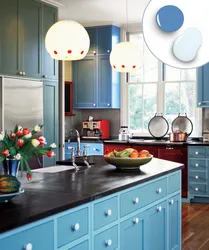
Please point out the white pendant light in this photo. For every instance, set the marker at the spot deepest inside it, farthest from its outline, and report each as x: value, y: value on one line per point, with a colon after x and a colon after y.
x: 125, y: 56
x: 67, y: 40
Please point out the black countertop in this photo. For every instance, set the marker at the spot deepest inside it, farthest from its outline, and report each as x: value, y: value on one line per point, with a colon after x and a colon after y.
x: 48, y: 194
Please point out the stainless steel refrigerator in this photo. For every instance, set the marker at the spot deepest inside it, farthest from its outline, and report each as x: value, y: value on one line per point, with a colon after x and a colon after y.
x: 21, y: 102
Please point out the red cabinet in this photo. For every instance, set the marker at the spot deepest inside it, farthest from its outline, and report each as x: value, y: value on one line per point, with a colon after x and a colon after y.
x: 177, y: 154
x: 68, y: 99
x: 110, y: 147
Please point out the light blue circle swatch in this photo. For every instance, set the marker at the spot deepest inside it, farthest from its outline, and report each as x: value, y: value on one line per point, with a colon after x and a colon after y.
x: 169, y: 18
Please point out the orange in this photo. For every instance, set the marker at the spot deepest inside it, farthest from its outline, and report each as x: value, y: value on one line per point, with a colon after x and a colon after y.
x: 144, y: 153
x: 134, y: 155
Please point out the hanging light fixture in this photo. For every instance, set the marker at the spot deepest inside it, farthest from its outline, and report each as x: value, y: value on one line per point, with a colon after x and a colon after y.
x: 125, y: 56
x: 67, y: 40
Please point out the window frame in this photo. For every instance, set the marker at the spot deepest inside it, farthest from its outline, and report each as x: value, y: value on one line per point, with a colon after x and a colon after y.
x: 160, y: 97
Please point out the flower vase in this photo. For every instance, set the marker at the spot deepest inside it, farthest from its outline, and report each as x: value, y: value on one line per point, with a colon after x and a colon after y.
x: 11, y: 167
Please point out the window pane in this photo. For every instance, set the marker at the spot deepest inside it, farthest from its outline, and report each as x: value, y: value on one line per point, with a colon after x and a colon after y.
x: 148, y: 63
x: 135, y: 107
x: 173, y: 74
x: 140, y: 95
x: 150, y: 103
x: 187, y: 98
x: 172, y: 101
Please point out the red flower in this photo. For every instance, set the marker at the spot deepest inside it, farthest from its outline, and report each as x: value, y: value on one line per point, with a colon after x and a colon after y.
x: 19, y: 133
x: 5, y: 152
x: 42, y: 140
x: 20, y: 142
x: 29, y: 176
x: 13, y: 135
x: 25, y: 131
x: 50, y: 153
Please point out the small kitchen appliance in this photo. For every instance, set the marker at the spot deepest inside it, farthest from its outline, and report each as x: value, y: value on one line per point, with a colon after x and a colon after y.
x: 96, y: 129
x: 123, y: 134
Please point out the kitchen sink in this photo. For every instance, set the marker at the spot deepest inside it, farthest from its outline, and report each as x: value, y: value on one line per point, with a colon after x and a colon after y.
x: 78, y: 162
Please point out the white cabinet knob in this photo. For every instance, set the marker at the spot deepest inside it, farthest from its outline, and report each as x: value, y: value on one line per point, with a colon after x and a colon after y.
x: 94, y: 52
x: 108, y: 212
x: 159, y: 190
x: 196, y: 152
x: 20, y: 73
x: 196, y: 165
x: 171, y: 202
x: 108, y: 104
x: 108, y: 51
x: 108, y: 243
x: 76, y: 227
x: 159, y: 209
x: 94, y: 105
x: 28, y: 246
x: 136, y: 200
x: 23, y: 73
x: 196, y: 177
x: 196, y: 189
x: 199, y: 103
x: 136, y: 220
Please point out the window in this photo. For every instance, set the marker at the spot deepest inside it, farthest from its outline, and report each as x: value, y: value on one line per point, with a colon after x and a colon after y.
x: 158, y: 88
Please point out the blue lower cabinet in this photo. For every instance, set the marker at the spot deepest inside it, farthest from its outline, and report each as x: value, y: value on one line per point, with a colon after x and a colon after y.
x: 96, y: 149
x: 38, y: 237
x: 132, y: 234
x: 157, y: 227
x: 107, y: 239
x: 174, y: 222
x: 72, y: 226
x: 81, y: 246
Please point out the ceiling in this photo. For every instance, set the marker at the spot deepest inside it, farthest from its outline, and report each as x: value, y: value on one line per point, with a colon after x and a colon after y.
x: 103, y: 11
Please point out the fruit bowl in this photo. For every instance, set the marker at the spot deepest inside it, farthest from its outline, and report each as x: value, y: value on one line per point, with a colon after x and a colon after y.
x: 127, y: 163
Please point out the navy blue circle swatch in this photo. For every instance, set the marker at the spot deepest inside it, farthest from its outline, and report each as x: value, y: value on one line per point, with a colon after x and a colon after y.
x: 169, y: 18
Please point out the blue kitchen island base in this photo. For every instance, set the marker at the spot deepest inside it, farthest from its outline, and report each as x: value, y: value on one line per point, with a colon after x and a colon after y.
x: 141, y: 216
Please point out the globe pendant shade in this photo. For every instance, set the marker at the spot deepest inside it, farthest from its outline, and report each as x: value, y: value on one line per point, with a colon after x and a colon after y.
x: 67, y: 40
x: 125, y: 57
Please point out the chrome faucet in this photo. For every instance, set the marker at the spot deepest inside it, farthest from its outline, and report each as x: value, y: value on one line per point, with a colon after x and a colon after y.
x: 78, y: 152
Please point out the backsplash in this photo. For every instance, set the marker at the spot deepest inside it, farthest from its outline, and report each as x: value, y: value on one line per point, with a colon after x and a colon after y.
x: 75, y: 121
x: 205, y: 119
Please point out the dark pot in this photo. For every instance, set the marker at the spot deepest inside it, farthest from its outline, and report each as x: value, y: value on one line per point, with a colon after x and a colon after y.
x: 11, y: 167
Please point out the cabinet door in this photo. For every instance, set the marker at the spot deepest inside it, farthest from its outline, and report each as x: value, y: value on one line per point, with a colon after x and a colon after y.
x: 93, y: 35
x: 202, y: 86
x: 132, y: 235
x: 104, y: 40
x: 157, y: 227
x: 51, y: 118
x: 104, y: 82
x: 50, y: 66
x: 8, y: 37
x: 29, y: 37
x: 179, y: 156
x: 84, y: 83
x: 174, y: 223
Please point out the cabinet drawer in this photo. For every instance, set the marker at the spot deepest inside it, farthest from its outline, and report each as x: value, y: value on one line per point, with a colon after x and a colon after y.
x: 96, y: 149
x: 70, y: 144
x: 107, y: 239
x: 196, y: 189
x: 83, y: 246
x: 33, y: 236
x: 197, y: 176
x: 105, y: 212
x: 72, y: 226
x: 197, y: 152
x: 197, y: 164
x: 174, y: 183
x: 140, y: 197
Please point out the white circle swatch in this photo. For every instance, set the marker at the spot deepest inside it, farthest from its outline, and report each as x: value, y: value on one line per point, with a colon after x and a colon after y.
x: 161, y: 43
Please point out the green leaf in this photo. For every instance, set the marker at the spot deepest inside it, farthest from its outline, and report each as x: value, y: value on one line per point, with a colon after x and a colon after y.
x: 27, y: 166
x: 12, y: 151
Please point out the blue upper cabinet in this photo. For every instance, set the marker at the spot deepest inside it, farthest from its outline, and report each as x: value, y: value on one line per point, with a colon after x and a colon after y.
x: 95, y: 84
x: 203, y: 86
x: 84, y: 83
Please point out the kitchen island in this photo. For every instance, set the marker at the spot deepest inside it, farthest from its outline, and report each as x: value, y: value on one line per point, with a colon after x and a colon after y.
x: 97, y: 208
